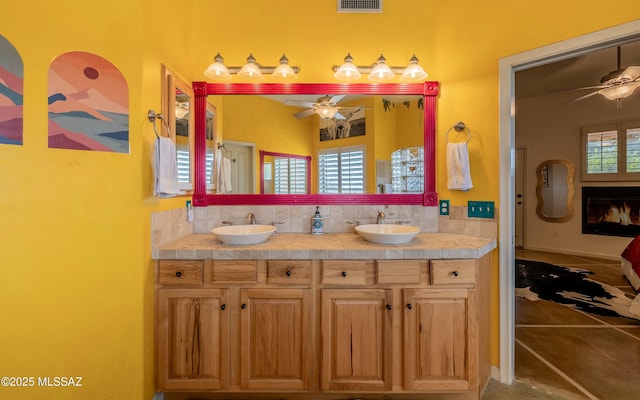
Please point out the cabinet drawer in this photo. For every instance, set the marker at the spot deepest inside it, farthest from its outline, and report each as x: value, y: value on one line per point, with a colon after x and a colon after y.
x: 289, y: 271
x: 453, y: 272
x: 234, y: 271
x: 180, y: 272
x: 398, y: 271
x: 351, y: 272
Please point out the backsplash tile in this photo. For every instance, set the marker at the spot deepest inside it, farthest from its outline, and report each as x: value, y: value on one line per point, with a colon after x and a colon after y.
x: 171, y: 225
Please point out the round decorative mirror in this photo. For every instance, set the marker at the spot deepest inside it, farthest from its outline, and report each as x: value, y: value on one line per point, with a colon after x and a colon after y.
x: 555, y: 190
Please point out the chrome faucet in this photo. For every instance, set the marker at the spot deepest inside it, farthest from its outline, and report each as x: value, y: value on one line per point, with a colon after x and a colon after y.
x: 380, y: 218
x: 252, y: 218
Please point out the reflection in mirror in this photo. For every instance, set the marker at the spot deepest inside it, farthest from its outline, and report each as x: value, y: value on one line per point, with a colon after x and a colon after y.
x: 352, y: 150
x: 177, y: 106
x: 211, y: 138
x: 396, y: 116
x: 555, y: 190
x: 282, y: 173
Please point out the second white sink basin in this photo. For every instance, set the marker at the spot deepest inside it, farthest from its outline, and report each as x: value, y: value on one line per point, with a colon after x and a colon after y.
x: 387, y: 233
x: 243, y: 234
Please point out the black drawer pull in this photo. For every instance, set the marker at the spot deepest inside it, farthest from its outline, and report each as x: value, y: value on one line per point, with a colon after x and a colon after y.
x: 409, y: 306
x: 454, y: 273
x: 288, y: 273
x: 388, y: 306
x: 223, y: 306
x: 178, y: 274
x: 344, y: 273
x: 243, y: 306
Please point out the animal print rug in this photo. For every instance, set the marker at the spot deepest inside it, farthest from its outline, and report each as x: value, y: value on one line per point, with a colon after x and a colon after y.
x: 571, y: 287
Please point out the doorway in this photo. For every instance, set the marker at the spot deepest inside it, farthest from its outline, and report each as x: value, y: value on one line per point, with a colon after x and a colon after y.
x: 507, y: 68
x: 242, y: 156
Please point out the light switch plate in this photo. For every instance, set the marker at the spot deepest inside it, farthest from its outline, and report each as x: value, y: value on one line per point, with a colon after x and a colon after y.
x: 480, y: 209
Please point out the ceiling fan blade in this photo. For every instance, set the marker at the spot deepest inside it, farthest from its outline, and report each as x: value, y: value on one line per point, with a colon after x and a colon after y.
x: 632, y: 73
x: 336, y: 99
x: 339, y: 116
x: 582, y: 97
x: 305, y: 113
x: 581, y: 88
x: 297, y: 103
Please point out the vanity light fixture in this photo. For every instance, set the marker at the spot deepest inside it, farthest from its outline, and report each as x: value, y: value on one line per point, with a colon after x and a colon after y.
x: 251, y: 71
x: 380, y: 71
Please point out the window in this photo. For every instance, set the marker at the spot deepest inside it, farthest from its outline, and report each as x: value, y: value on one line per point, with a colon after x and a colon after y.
x: 290, y: 175
x: 611, y: 152
x: 184, y: 167
x: 341, y: 170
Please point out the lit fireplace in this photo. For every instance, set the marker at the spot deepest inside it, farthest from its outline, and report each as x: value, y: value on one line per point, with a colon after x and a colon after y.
x: 609, y: 210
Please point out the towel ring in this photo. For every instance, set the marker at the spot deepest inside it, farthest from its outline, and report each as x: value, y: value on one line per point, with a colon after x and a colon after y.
x: 459, y: 127
x: 152, y: 118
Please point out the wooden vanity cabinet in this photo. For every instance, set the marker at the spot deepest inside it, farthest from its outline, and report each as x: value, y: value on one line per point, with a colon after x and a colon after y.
x: 192, y: 338
x: 330, y: 328
x: 356, y: 339
x: 274, y: 339
x: 233, y: 325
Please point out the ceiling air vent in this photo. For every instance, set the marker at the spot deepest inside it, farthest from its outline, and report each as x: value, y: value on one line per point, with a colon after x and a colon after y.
x: 360, y: 6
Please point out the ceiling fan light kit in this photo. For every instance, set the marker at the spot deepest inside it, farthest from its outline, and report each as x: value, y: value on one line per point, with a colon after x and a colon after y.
x: 251, y: 71
x: 379, y: 71
x: 616, y: 85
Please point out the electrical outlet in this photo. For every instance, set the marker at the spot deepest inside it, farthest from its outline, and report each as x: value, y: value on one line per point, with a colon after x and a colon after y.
x: 444, y: 207
x: 480, y: 209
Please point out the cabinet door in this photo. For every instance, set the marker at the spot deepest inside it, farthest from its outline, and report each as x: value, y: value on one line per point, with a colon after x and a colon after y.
x: 356, y: 339
x: 192, y: 339
x: 437, y: 350
x: 275, y: 339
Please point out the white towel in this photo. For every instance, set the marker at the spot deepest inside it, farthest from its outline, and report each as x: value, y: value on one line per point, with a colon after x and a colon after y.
x: 459, y: 174
x: 224, y: 173
x: 165, y: 168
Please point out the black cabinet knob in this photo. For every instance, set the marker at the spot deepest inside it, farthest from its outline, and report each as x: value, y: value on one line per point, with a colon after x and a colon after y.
x: 243, y: 306
x: 288, y: 273
x: 409, y: 306
x: 388, y: 306
x: 454, y: 273
x: 223, y: 306
x: 178, y: 274
x: 344, y: 273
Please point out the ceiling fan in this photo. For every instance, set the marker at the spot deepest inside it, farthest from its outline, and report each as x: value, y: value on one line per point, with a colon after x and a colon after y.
x: 326, y: 107
x: 616, y: 85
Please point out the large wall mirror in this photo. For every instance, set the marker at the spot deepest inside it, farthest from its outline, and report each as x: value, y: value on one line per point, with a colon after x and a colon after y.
x: 353, y: 135
x: 555, y: 190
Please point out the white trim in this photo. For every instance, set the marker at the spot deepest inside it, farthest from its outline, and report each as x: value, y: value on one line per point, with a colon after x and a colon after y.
x: 495, y: 373
x: 506, y: 79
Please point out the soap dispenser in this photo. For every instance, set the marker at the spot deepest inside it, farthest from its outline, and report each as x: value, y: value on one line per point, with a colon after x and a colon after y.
x: 317, y: 227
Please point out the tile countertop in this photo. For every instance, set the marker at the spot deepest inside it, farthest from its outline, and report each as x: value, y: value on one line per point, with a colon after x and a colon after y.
x: 327, y: 246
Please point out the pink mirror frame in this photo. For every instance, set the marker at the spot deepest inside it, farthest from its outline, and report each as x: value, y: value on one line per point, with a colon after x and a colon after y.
x: 427, y: 89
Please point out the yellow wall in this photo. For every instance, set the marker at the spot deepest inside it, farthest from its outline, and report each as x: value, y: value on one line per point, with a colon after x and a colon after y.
x: 77, y: 276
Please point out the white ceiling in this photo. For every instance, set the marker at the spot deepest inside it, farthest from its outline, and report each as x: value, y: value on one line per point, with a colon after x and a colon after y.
x: 580, y: 71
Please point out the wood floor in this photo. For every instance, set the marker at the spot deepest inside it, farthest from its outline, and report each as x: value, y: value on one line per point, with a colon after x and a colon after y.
x: 570, y: 354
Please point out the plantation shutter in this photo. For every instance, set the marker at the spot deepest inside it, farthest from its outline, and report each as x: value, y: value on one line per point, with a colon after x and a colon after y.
x: 341, y: 171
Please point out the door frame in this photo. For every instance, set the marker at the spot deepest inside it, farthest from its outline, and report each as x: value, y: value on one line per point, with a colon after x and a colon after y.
x: 251, y: 174
x: 507, y: 67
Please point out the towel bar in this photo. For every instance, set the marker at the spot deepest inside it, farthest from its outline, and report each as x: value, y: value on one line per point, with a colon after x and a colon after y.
x: 459, y: 127
x: 152, y: 118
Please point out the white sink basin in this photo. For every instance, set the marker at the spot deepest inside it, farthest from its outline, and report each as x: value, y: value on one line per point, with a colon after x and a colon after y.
x: 387, y: 233
x: 243, y: 234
